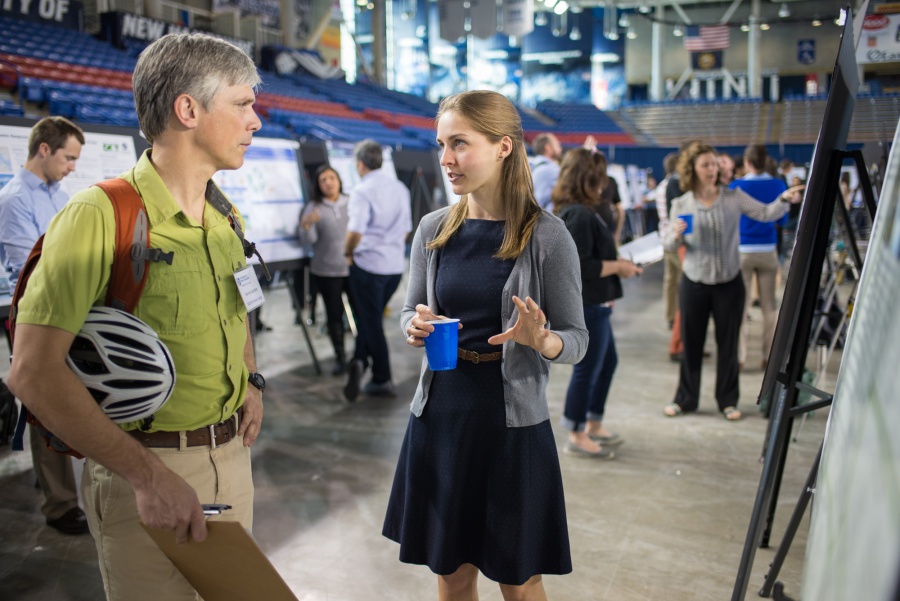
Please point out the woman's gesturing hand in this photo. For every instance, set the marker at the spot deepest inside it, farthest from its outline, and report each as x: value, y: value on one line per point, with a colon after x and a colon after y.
x: 792, y: 195
x: 419, y: 329
x: 530, y: 327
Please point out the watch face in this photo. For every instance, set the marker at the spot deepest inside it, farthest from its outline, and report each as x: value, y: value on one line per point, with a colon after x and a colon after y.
x: 257, y: 380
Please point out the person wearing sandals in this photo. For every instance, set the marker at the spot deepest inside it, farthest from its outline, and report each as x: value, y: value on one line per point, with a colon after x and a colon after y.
x: 712, y: 282
x: 323, y: 226
x: 478, y: 486
x: 582, y: 176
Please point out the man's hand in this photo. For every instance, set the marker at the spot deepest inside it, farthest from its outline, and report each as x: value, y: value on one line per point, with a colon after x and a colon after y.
x: 169, y: 503
x: 251, y: 421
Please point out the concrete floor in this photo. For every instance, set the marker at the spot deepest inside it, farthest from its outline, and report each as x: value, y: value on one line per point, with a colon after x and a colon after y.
x: 666, y: 520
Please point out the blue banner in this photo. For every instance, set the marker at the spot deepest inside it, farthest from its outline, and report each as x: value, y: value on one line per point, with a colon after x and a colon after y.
x: 62, y: 13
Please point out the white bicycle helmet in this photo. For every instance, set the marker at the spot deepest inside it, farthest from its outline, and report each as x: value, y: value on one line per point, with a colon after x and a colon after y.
x: 123, y: 363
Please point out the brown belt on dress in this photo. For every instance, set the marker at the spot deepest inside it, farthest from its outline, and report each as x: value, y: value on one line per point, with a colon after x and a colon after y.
x: 478, y: 357
x: 212, y: 436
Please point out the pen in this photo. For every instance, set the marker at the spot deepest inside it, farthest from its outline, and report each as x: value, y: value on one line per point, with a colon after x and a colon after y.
x: 214, y: 508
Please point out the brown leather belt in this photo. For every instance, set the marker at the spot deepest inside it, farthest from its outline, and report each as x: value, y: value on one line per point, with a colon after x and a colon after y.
x: 208, y: 436
x: 478, y: 357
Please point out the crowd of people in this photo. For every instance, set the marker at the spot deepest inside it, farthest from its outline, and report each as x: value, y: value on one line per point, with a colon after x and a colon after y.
x: 542, y: 238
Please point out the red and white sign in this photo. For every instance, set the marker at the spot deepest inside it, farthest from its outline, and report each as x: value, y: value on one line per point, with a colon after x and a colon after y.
x: 879, y: 40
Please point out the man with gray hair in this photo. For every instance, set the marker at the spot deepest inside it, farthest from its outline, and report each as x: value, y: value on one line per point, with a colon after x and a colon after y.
x: 379, y: 221
x: 194, y: 96
x: 545, y: 167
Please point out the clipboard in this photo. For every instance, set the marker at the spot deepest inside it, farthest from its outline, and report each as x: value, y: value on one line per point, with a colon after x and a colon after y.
x: 227, y: 566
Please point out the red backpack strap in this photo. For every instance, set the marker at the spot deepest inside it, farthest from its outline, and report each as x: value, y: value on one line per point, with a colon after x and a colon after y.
x: 24, y: 275
x: 129, y: 268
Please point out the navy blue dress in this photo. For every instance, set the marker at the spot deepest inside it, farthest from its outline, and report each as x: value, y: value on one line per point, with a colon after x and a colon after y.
x: 468, y: 489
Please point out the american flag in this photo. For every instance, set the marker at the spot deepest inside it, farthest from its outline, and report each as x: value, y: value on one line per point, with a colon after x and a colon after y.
x: 707, y: 37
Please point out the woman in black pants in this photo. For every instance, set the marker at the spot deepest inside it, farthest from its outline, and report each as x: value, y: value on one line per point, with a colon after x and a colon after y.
x: 711, y: 281
x: 323, y: 225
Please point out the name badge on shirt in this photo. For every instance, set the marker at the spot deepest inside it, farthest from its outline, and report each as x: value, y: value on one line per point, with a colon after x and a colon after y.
x: 248, y: 286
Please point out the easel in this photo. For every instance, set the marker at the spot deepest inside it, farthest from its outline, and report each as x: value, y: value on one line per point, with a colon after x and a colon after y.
x: 784, y: 386
x: 830, y: 295
x: 420, y: 198
x: 290, y: 277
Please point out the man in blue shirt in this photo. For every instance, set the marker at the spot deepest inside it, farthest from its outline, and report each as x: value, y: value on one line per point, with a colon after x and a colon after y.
x: 545, y: 167
x: 379, y: 220
x: 758, y: 248
x: 27, y: 204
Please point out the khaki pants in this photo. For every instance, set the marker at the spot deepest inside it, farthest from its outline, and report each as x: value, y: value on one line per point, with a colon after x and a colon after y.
x: 671, y: 278
x: 132, y: 566
x: 765, y: 266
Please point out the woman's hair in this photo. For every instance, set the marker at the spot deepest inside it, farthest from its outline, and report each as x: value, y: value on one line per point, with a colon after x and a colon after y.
x: 579, y: 179
x: 317, y: 195
x: 493, y: 116
x: 687, y: 179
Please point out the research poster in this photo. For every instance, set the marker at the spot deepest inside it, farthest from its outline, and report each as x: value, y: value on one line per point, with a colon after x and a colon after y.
x: 103, y: 156
x: 267, y: 192
x: 340, y: 157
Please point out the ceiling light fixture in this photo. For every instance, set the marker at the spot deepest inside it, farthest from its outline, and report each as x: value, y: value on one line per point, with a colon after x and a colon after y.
x: 575, y: 34
x: 540, y: 19
x: 784, y: 12
x: 816, y: 23
x: 561, y: 7
x: 631, y: 33
x: 745, y: 27
x: 624, y: 21
x: 765, y: 26
x: 644, y: 8
x: 678, y: 31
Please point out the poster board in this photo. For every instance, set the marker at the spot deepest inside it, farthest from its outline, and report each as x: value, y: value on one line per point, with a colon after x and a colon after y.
x: 853, y: 550
x: 107, y: 152
x: 340, y: 157
x: 617, y: 172
x: 268, y: 193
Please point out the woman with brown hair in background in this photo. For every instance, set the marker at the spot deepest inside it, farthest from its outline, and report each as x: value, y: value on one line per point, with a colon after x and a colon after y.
x: 581, y: 177
x: 711, y: 283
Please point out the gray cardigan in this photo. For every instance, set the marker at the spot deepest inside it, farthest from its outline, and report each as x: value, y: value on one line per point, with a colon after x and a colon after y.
x: 548, y: 272
x: 712, y: 255
x: 327, y: 237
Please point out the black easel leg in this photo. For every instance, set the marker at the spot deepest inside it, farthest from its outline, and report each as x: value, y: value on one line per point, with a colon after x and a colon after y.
x: 302, y: 323
x: 792, y: 527
x: 776, y: 488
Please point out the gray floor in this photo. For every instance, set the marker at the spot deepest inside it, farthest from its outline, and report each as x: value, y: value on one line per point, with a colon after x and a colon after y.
x: 666, y: 520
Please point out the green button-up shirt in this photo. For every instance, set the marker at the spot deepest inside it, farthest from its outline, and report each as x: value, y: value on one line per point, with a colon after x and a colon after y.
x: 194, y: 304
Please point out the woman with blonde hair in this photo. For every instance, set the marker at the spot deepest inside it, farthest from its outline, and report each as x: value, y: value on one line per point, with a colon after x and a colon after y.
x: 478, y: 486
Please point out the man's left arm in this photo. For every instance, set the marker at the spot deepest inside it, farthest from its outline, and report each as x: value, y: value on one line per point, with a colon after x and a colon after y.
x: 251, y: 421
x: 351, y: 241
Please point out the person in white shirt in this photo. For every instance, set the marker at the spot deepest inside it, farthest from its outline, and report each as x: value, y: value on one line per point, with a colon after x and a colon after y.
x: 545, y: 167
x: 379, y: 220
